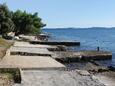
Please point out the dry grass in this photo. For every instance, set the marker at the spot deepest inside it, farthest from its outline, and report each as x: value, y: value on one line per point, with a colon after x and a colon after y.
x: 4, y: 45
x: 2, y: 52
x: 6, y: 79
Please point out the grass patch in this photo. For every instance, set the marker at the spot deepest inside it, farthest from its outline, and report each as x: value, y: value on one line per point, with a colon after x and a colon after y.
x: 13, y: 73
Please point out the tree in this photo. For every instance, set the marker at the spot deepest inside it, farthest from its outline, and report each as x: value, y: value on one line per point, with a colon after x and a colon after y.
x: 27, y: 23
x: 19, y: 22
x: 6, y: 24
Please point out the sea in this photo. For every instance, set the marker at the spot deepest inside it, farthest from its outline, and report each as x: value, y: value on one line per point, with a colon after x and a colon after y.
x: 89, y: 38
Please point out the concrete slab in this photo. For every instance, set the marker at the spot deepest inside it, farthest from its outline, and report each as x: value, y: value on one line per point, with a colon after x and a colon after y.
x: 27, y: 37
x: 69, y: 56
x: 30, y: 62
x: 30, y: 51
x: 56, y: 78
x: 66, y: 43
x: 27, y: 44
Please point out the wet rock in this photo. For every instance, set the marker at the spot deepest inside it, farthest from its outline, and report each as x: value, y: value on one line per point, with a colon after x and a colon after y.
x: 111, y: 68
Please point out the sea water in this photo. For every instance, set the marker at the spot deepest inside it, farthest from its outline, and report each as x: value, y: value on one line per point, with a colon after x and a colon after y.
x: 90, y: 39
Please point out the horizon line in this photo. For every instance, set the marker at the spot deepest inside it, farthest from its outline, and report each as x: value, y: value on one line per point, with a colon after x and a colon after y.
x: 74, y: 27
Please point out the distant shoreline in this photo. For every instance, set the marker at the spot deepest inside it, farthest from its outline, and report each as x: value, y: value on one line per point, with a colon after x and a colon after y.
x: 84, y: 28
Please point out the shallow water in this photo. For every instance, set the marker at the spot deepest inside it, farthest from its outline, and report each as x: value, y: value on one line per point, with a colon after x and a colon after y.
x: 90, y: 39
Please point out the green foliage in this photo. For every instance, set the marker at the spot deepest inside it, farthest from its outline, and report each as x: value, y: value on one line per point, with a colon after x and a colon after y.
x: 27, y: 23
x: 19, y: 22
x: 6, y: 24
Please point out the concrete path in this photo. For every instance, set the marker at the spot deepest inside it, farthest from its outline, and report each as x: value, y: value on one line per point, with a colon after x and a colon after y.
x: 30, y: 62
x: 56, y: 78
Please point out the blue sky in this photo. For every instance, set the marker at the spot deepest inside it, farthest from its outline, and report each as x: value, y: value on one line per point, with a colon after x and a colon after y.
x: 69, y: 13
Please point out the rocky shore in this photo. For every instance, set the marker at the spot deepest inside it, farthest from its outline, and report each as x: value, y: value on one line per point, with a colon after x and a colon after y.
x: 101, y: 73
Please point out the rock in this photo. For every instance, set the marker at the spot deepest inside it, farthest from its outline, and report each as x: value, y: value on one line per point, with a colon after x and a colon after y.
x: 83, y: 72
x: 111, y: 68
x: 61, y: 47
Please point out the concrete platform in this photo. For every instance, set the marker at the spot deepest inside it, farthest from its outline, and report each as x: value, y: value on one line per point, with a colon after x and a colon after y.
x: 30, y: 51
x: 30, y: 62
x: 27, y: 44
x: 66, y: 43
x: 27, y: 37
x: 81, y: 56
x: 56, y: 78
